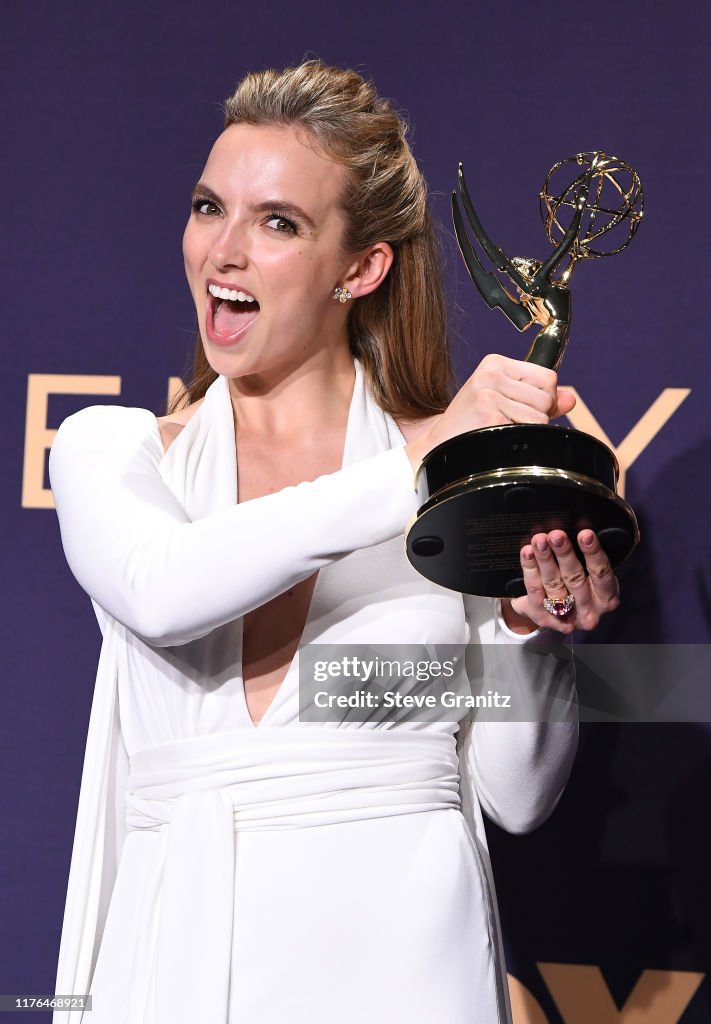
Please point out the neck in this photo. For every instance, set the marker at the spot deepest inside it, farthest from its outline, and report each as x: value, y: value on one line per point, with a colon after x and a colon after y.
x: 302, y: 400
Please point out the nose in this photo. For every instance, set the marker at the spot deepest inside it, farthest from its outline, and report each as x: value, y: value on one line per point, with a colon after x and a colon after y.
x: 229, y: 248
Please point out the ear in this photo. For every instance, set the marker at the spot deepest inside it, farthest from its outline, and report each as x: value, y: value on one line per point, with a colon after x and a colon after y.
x: 369, y: 269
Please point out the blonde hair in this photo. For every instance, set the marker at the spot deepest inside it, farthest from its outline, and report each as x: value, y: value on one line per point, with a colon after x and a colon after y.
x: 399, y: 331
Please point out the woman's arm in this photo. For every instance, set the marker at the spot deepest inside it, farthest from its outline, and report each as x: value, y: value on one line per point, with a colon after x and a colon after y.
x: 519, y: 767
x: 132, y: 548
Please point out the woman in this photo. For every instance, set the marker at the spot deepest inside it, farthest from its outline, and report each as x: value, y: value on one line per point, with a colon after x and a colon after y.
x: 232, y: 863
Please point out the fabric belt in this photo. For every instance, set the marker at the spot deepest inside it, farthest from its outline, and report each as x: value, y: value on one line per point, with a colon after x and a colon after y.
x: 199, y: 792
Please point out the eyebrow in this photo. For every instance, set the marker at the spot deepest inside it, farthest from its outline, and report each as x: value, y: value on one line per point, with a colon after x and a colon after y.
x: 268, y: 206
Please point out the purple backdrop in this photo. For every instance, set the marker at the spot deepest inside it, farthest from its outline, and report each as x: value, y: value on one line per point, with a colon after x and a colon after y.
x: 107, y: 116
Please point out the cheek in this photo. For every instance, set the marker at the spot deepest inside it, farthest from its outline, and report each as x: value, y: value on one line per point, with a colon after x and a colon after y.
x: 303, y: 278
x: 190, y: 250
x: 186, y: 237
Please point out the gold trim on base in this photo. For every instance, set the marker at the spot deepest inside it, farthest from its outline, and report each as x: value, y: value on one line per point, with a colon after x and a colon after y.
x: 512, y: 475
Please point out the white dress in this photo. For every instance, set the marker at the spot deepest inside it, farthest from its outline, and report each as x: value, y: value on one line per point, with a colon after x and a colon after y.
x: 229, y: 873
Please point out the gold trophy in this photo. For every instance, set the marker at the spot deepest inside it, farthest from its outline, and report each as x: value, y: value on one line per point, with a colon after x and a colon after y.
x: 487, y: 492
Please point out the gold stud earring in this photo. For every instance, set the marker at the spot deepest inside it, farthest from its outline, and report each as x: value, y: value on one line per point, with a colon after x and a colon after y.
x: 342, y: 294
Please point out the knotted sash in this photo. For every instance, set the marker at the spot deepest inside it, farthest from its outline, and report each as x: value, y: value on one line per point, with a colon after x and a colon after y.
x: 197, y: 793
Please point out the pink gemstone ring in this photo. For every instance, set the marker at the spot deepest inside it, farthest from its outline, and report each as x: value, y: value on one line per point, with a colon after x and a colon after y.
x: 559, y: 606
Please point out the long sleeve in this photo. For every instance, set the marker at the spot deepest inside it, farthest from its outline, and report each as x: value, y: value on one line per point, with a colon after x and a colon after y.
x: 519, y: 764
x: 132, y: 547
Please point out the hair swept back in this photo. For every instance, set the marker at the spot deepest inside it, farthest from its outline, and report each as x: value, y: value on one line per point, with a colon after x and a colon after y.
x: 399, y: 331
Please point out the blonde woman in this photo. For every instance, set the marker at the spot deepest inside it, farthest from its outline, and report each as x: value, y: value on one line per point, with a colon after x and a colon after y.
x: 231, y: 863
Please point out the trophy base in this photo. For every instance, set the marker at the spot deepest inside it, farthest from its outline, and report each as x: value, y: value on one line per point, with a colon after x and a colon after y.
x: 468, y: 535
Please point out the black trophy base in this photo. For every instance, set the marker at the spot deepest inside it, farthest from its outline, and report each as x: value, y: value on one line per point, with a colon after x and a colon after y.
x: 468, y: 534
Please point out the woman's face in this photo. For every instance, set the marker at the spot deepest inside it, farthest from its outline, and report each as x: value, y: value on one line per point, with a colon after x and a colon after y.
x: 267, y: 225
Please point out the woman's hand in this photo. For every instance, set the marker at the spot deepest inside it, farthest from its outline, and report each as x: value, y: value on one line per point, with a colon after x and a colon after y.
x: 500, y: 390
x: 552, y: 570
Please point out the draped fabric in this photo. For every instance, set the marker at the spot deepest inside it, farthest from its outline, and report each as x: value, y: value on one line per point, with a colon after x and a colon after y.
x: 198, y: 833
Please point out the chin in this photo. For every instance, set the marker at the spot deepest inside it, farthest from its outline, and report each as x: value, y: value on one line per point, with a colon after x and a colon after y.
x: 226, y: 364
x: 236, y: 362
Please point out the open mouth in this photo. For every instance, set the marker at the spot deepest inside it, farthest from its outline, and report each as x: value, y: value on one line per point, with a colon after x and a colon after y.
x: 229, y: 313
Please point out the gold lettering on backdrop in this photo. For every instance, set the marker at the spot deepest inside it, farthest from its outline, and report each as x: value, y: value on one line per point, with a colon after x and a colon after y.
x: 582, y: 996
x: 38, y: 437
x: 641, y: 434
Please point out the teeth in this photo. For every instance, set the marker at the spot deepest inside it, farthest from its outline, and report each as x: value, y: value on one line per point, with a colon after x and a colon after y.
x: 231, y: 295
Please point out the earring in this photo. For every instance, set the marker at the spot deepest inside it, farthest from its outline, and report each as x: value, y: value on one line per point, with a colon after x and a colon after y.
x: 342, y: 294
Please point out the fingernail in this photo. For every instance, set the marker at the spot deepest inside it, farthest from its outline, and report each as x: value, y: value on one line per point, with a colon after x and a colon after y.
x: 587, y: 540
x: 557, y: 542
x: 542, y: 545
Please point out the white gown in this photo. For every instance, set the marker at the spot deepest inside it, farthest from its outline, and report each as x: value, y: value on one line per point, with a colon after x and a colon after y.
x: 229, y: 873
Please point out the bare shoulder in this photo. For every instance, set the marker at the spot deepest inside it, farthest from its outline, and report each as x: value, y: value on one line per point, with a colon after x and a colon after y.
x: 170, y: 426
x: 412, y: 429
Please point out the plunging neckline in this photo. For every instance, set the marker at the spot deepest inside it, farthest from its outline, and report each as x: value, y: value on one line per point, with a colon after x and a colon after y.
x: 200, y: 467
x: 357, y: 384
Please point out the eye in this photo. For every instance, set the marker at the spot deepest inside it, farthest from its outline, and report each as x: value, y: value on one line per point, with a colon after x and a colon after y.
x: 205, y: 206
x: 280, y: 224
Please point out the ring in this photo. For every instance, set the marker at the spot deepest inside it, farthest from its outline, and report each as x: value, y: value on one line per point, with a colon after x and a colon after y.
x: 559, y: 606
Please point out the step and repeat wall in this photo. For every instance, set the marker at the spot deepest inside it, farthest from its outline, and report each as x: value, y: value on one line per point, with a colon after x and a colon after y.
x: 108, y: 113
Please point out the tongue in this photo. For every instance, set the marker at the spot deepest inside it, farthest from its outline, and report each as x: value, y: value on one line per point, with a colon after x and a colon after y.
x: 231, y: 317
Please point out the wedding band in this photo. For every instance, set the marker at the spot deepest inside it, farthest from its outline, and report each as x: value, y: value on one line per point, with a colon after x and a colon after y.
x: 559, y: 606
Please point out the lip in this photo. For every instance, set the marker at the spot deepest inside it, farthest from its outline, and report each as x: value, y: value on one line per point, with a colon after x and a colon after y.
x: 224, y: 340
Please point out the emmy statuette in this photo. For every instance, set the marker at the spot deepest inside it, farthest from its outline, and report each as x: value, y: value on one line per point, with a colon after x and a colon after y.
x: 487, y: 492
